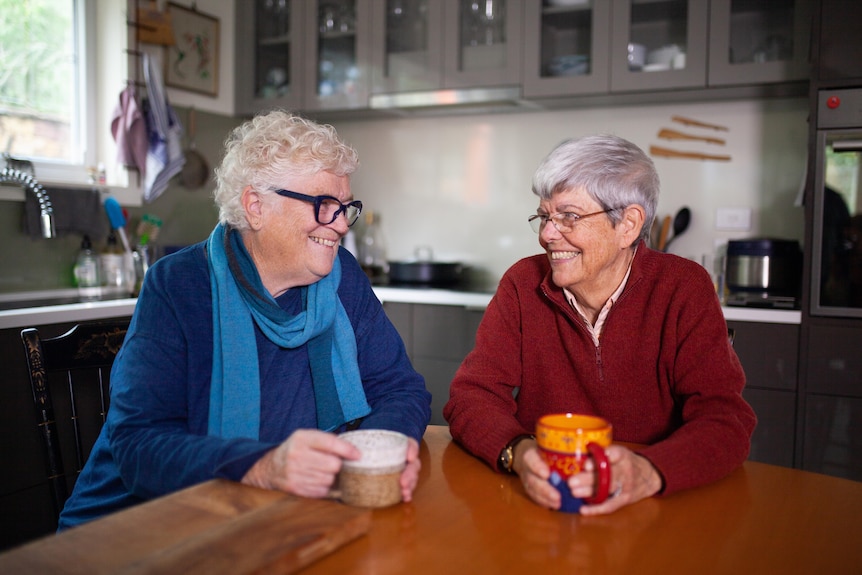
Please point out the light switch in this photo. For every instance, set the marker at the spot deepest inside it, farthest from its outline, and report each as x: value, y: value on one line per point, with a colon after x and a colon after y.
x: 736, y: 219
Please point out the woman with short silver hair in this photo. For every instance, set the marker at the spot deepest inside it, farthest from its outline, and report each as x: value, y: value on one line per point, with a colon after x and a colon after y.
x: 600, y: 324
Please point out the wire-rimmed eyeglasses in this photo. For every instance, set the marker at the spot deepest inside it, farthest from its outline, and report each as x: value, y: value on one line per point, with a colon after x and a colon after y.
x: 564, y: 221
x: 327, y: 208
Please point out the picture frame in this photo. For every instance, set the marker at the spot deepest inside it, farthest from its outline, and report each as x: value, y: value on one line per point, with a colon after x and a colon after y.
x: 192, y: 62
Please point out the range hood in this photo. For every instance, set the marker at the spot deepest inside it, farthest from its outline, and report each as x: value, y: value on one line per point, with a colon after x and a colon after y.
x: 467, y: 100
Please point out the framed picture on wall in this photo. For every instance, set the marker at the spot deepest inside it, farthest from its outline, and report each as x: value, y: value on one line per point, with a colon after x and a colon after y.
x: 192, y: 62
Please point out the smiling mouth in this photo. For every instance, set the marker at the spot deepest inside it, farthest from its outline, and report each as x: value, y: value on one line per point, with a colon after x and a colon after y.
x: 324, y: 242
x: 563, y: 255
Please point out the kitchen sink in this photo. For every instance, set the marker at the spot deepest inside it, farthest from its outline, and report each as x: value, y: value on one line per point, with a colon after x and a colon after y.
x: 46, y: 298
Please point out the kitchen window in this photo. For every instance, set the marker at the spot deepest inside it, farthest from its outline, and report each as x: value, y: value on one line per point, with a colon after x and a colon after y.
x: 62, y: 66
x: 46, y: 108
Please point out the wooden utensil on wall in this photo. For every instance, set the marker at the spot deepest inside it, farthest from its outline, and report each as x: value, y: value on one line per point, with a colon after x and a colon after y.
x: 668, y: 153
x: 697, y: 123
x: 668, y: 134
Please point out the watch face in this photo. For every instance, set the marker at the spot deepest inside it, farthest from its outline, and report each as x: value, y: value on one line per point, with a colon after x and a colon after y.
x: 506, y: 458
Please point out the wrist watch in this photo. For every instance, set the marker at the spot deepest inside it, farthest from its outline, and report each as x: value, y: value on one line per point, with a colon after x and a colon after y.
x: 507, y: 456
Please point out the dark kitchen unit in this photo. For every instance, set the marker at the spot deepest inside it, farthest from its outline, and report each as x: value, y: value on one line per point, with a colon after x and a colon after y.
x: 829, y: 413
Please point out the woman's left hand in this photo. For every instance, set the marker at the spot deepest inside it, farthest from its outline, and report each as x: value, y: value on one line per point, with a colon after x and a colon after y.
x: 410, y: 475
x: 633, y: 478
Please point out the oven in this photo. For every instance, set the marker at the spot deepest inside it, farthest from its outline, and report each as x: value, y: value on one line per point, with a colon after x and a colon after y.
x: 836, y: 278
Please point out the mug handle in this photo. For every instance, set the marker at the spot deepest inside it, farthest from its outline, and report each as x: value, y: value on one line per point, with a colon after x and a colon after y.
x: 603, y: 467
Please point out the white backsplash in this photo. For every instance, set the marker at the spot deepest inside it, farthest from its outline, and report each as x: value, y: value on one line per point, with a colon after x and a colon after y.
x: 461, y: 185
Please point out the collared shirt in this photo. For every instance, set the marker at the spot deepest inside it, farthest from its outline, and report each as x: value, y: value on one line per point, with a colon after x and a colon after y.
x: 596, y: 330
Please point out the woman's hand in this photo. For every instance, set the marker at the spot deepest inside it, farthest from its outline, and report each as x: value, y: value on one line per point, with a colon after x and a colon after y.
x: 534, y: 474
x: 305, y: 464
x: 632, y: 478
x: 410, y: 475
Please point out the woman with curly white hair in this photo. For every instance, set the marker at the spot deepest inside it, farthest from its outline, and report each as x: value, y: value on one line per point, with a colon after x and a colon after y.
x: 248, y: 352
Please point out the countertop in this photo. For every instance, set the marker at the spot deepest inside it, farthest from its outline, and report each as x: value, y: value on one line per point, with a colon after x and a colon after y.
x: 59, y: 306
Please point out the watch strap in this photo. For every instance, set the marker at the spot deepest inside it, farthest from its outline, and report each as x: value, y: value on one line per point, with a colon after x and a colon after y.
x: 507, y: 455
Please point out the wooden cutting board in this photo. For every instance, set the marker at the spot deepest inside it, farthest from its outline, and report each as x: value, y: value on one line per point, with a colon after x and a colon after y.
x: 215, y: 527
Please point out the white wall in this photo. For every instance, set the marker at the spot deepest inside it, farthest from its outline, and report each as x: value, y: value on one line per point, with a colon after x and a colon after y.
x: 462, y: 184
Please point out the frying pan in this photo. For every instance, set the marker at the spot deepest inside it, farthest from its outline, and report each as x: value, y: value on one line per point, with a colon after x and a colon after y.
x: 424, y: 271
x: 196, y: 170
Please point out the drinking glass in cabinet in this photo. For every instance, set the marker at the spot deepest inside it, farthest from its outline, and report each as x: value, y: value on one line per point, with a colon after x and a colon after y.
x: 567, y: 36
x: 483, y: 34
x: 658, y: 35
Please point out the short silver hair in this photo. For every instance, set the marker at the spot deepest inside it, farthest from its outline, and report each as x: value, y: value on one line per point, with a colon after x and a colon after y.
x: 613, y: 171
x: 262, y: 151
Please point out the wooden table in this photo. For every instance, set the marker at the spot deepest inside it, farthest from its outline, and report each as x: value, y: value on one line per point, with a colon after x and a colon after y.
x: 467, y: 519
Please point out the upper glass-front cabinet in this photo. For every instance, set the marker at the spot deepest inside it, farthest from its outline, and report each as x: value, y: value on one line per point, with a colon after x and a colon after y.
x: 337, y: 73
x: 567, y: 47
x: 407, y: 45
x: 269, y: 64
x: 658, y: 44
x: 759, y: 41
x: 434, y: 44
x: 483, y: 43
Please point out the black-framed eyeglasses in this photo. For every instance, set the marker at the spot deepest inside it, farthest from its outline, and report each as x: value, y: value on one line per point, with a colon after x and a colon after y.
x: 564, y: 221
x: 327, y: 208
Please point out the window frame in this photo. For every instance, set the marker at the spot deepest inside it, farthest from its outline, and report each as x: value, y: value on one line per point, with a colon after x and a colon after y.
x: 102, y: 41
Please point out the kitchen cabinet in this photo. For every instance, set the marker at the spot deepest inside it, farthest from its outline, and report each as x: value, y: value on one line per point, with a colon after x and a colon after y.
x: 437, y: 338
x: 425, y: 45
x: 269, y: 60
x: 337, y: 74
x: 768, y: 353
x: 566, y: 49
x: 839, y: 51
x: 673, y: 37
x: 758, y: 41
x: 832, y: 435
x: 301, y: 55
x: 576, y: 48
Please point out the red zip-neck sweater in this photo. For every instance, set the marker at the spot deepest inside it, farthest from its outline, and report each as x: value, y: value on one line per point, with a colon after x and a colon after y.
x: 664, y: 373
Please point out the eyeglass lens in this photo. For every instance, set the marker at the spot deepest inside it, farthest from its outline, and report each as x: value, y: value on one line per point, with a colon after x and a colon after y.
x: 564, y: 222
x: 329, y: 208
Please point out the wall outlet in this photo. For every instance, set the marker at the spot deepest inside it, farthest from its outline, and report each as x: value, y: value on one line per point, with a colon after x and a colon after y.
x: 735, y: 219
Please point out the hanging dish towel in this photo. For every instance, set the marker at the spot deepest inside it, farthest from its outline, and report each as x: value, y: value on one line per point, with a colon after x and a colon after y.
x: 129, y: 129
x: 165, y: 158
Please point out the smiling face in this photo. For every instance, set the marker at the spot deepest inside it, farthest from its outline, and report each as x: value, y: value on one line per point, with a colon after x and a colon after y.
x: 285, y: 241
x: 592, y: 259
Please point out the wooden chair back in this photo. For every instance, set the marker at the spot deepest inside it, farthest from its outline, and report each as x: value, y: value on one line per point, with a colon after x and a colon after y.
x: 70, y: 380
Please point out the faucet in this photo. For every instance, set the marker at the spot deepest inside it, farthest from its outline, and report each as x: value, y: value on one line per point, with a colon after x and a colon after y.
x: 17, y: 176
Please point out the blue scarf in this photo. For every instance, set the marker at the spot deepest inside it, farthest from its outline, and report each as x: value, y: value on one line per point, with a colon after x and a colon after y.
x: 240, y: 301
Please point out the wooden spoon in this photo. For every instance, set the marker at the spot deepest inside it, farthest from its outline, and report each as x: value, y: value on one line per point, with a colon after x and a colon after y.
x: 668, y: 134
x: 668, y: 153
x: 697, y: 123
x: 665, y: 229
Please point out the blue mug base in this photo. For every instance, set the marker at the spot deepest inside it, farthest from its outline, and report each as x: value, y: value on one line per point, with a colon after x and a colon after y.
x: 568, y: 502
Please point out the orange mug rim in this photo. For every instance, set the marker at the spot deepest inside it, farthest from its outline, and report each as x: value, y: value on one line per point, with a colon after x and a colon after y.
x: 598, y: 423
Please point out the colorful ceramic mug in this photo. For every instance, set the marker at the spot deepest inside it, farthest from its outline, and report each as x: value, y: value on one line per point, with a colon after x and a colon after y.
x: 566, y: 441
